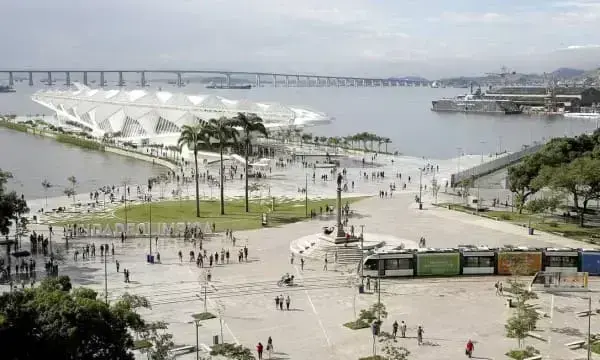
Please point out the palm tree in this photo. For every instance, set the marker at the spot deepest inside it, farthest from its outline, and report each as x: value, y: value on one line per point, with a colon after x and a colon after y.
x: 73, y: 180
x: 386, y: 141
x: 250, y: 124
x: 193, y: 137
x: 223, y: 132
x: 306, y: 138
x: 46, y: 185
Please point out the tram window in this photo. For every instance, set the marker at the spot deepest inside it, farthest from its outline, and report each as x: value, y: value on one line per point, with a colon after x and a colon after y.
x: 391, y: 264
x: 486, y: 262
x: 405, y: 264
x: 471, y: 261
x: 371, y: 264
x: 561, y: 261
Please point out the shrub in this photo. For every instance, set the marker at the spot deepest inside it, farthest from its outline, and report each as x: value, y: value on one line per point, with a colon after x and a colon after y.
x: 553, y: 224
x: 81, y: 142
x: 505, y: 216
x: 232, y: 351
x: 14, y: 126
x: 521, y: 354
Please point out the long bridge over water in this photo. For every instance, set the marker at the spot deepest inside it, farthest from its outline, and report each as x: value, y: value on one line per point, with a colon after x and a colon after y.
x: 274, y: 79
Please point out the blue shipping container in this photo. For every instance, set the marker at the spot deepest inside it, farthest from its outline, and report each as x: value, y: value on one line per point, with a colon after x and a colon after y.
x: 590, y: 262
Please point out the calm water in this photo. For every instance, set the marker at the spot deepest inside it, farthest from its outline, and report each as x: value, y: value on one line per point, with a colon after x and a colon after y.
x: 403, y: 114
x: 32, y: 159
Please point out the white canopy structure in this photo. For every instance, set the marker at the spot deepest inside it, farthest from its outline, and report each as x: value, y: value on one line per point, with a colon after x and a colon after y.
x: 157, y: 116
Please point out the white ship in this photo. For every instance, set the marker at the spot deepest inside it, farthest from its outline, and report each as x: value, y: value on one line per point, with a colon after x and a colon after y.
x: 585, y: 115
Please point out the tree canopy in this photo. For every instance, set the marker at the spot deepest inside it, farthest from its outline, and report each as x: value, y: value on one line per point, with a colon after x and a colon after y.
x: 11, y: 205
x: 52, y: 321
x: 567, y: 165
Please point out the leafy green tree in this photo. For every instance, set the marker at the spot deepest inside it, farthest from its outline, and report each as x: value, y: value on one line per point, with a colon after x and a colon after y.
x: 53, y: 322
x: 524, y: 318
x: 520, y: 179
x: 194, y: 137
x: 73, y: 181
x: 580, y: 178
x: 251, y: 124
x: 224, y: 133
x: 12, y: 206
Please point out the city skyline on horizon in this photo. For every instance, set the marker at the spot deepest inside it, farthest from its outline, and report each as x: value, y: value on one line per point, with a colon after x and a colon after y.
x: 338, y: 37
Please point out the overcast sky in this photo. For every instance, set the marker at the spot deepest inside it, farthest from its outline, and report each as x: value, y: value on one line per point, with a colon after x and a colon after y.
x: 432, y: 38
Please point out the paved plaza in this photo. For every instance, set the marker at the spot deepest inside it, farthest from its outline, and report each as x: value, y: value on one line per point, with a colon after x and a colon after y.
x: 450, y: 310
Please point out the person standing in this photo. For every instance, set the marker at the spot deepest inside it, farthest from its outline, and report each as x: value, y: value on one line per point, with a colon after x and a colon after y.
x: 325, y: 264
x: 403, y: 329
x: 287, y: 302
x: 259, y: 350
x: 270, y: 347
x: 420, y: 332
x: 395, y: 329
x: 302, y: 264
x: 469, y: 348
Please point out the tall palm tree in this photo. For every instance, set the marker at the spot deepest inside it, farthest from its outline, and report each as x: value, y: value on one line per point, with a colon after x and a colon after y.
x: 386, y: 141
x: 223, y: 131
x: 46, y: 185
x: 250, y: 124
x: 193, y: 137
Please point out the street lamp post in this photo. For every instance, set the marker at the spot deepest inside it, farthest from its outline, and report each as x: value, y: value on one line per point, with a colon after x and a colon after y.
x: 306, y: 195
x: 150, y: 218
x: 105, y: 280
x: 362, y: 255
x: 479, y: 178
x: 197, y: 323
x: 421, y: 189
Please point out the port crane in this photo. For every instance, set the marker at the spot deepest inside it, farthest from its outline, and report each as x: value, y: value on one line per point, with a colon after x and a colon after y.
x: 503, y: 74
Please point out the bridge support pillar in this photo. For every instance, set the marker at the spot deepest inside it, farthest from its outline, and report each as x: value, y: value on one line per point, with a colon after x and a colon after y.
x: 318, y: 82
x: 11, y: 79
x: 49, y: 78
x: 228, y: 80
x: 121, y: 80
x: 257, y: 81
x: 68, y: 78
x: 337, y: 82
x: 327, y: 82
x: 30, y: 78
x: 297, y: 81
x: 345, y: 82
x: 287, y: 81
x: 102, y: 81
x: 143, y: 79
x: 274, y: 80
x: 85, y: 79
x: 179, y: 80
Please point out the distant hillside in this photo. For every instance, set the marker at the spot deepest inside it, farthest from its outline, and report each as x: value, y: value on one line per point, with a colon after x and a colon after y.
x: 408, y: 78
x: 567, y: 73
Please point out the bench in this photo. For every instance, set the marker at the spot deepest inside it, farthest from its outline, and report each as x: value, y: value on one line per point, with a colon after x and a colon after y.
x: 535, y: 336
x: 536, y: 357
x: 183, y: 349
x: 575, y: 344
x: 585, y: 313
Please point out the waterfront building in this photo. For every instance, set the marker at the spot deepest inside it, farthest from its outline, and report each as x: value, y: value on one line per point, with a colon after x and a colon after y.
x: 569, y: 98
x: 157, y: 116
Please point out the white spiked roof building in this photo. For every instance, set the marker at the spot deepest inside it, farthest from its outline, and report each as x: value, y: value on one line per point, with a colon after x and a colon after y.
x: 158, y: 116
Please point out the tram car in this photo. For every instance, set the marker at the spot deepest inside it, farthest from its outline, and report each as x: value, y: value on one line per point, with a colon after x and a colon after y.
x: 480, y: 260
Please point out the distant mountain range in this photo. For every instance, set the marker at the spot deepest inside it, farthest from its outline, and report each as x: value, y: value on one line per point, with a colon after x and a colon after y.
x: 408, y: 78
x: 567, y: 73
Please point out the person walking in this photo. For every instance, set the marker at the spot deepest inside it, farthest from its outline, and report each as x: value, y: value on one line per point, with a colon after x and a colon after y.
x: 287, y: 302
x: 325, y: 264
x: 395, y: 329
x: 270, y: 347
x: 469, y: 348
x: 420, y: 332
x: 302, y: 264
x: 259, y: 350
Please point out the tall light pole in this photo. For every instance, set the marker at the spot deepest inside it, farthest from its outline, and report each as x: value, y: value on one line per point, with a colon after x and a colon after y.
x: 150, y: 218
x: 105, y: 280
x: 479, y: 177
x: 421, y: 189
x: 125, y: 187
x: 362, y: 255
x: 589, y: 347
x: 306, y: 194
x: 459, y: 152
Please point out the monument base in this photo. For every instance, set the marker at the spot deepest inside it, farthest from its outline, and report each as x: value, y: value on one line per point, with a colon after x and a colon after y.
x: 343, y: 240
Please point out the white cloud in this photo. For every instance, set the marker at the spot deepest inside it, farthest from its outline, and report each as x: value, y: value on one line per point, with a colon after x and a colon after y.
x: 580, y: 47
x: 431, y: 37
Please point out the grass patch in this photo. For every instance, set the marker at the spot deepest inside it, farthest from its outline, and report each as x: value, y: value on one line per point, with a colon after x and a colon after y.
x: 232, y: 351
x: 80, y: 142
x: 595, y: 348
x: 141, y: 344
x: 357, y: 325
x: 549, y: 224
x: 285, y: 212
x: 14, y: 126
x: 203, y: 316
x: 521, y: 354
x: 376, y: 357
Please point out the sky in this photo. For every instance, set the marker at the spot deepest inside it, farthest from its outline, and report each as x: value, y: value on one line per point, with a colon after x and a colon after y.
x: 430, y: 38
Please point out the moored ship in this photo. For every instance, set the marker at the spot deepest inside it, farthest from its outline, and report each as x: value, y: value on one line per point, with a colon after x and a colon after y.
x: 476, y: 103
x: 7, y: 89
